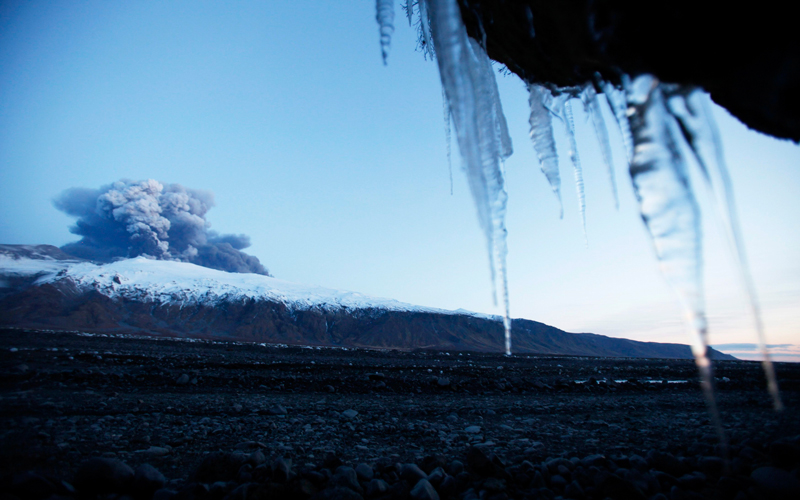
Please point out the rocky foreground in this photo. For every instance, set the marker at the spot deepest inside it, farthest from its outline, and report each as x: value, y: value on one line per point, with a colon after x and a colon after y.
x: 88, y: 416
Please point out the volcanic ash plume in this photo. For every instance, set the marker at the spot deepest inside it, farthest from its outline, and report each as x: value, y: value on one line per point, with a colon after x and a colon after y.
x: 163, y: 221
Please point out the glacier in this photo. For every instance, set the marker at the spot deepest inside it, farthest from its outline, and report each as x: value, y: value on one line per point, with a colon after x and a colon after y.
x: 653, y: 116
x: 173, y: 282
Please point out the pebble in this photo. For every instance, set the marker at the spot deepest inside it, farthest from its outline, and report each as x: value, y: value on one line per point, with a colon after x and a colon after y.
x: 412, y: 473
x: 376, y: 487
x: 364, y: 472
x: 276, y: 410
x: 349, y: 414
x: 424, y: 490
x: 98, y: 476
x: 282, y: 469
x: 776, y: 483
x: 156, y: 451
x: 147, y: 479
x: 346, y: 476
x: 479, y: 461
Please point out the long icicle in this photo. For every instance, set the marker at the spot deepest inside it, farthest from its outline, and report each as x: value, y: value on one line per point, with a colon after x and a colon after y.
x: 446, y: 111
x: 617, y: 100
x: 470, y: 93
x: 691, y: 108
x: 540, y: 101
x: 569, y: 123
x: 591, y: 104
x: 410, y: 11
x: 672, y: 217
x: 385, y: 17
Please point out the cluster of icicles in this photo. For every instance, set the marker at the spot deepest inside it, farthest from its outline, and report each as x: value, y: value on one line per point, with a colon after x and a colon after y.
x: 652, y: 117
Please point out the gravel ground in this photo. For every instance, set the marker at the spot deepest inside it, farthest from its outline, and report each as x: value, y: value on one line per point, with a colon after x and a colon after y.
x: 253, y: 421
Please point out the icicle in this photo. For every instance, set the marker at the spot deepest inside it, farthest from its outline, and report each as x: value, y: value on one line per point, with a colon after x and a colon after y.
x: 541, y: 120
x: 672, y: 217
x: 691, y: 108
x: 592, y: 107
x: 618, y: 102
x: 485, y: 73
x: 410, y: 11
x: 569, y: 123
x: 529, y: 15
x: 446, y: 109
x: 385, y: 18
x: 476, y: 113
x: 425, y: 27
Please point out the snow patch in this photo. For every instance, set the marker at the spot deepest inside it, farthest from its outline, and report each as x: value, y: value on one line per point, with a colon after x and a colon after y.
x: 170, y: 282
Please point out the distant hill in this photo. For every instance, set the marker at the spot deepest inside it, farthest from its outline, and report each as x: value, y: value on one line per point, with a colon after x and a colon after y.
x: 43, y: 288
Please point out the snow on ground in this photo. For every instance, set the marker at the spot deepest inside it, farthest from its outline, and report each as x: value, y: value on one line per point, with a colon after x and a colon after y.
x: 180, y: 282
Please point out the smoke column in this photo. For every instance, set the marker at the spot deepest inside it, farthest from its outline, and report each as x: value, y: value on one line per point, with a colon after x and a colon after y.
x: 162, y: 221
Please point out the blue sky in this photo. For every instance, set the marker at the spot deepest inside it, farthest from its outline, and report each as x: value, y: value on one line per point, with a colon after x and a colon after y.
x: 336, y: 165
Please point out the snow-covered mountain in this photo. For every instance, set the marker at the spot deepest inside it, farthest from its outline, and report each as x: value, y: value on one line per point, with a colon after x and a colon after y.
x: 42, y: 287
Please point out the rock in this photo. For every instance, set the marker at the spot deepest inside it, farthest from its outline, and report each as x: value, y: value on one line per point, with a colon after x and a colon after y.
x: 245, y: 474
x: 349, y: 414
x: 337, y: 493
x: 443, y: 382
x: 473, y: 429
x: 692, y: 481
x: 276, y: 410
x: 784, y: 454
x: 666, y: 462
x: 219, y: 466
x: 436, y: 476
x: 431, y: 462
x: 248, y: 445
x: 146, y: 480
x: 332, y: 461
x: 376, y: 487
x: 494, y: 485
x: 478, y: 460
x: 99, y: 476
x: 447, y: 487
x: 412, y: 473
x: 164, y: 494
x: 305, y: 488
x: 455, y: 468
x: 241, y: 492
x: 776, y: 483
x: 615, y: 487
x: 155, y: 451
x: 558, y: 481
x: 256, y: 458
x: 183, y: 379
x: 29, y: 485
x: 282, y: 469
x: 364, y: 472
x: 574, y: 490
x: 423, y: 490
x: 594, y: 460
x: 220, y: 488
x: 347, y: 477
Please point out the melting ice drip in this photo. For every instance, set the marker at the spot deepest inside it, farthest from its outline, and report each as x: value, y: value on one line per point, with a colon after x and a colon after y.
x: 651, y: 116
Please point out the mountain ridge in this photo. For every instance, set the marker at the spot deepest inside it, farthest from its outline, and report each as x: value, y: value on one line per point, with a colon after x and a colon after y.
x: 40, y: 289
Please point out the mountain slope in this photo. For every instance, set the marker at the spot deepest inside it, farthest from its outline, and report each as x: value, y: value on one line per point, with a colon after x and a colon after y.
x: 41, y: 289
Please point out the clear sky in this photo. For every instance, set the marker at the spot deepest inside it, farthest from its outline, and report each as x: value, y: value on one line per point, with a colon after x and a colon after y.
x: 336, y: 165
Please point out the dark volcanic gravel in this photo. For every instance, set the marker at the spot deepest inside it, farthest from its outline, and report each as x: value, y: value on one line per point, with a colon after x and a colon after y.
x: 87, y: 415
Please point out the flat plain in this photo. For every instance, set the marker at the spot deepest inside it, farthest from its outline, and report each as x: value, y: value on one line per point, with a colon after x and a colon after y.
x: 68, y: 396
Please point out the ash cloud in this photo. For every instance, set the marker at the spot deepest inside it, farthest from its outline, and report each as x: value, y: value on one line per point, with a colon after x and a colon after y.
x: 147, y: 218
